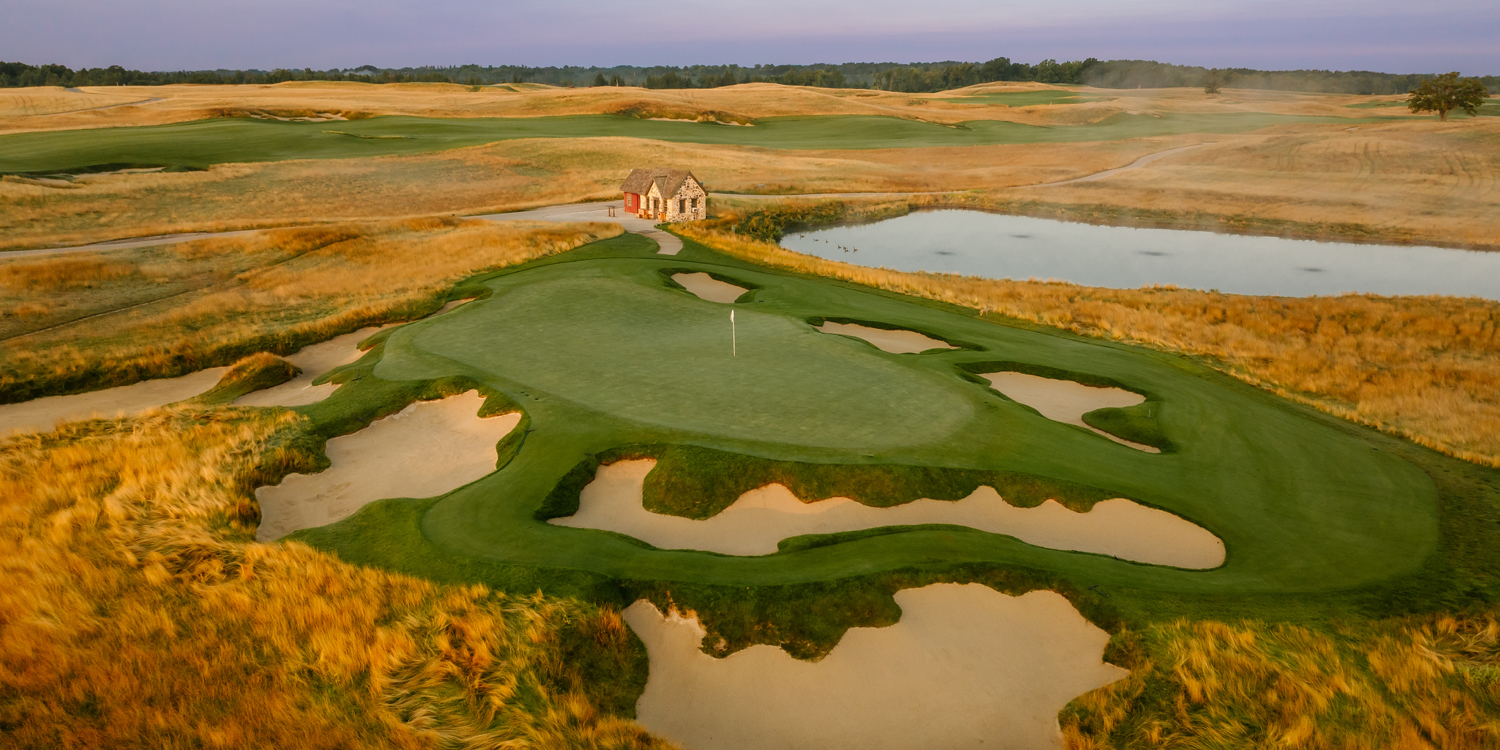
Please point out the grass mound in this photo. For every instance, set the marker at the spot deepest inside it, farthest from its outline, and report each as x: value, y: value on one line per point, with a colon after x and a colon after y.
x: 250, y: 374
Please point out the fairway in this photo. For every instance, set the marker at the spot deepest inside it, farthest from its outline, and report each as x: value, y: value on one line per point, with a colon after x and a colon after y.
x: 602, y: 353
x: 204, y: 143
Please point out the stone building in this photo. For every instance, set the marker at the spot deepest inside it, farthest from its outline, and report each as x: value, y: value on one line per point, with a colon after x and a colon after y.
x: 665, y: 195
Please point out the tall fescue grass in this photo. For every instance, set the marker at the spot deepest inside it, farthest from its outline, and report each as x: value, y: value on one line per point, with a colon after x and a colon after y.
x: 1417, y: 683
x: 301, y: 286
x: 136, y: 611
x: 1427, y: 368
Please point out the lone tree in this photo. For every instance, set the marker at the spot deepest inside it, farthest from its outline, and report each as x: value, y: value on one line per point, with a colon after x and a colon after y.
x: 1213, y: 82
x: 1446, y: 93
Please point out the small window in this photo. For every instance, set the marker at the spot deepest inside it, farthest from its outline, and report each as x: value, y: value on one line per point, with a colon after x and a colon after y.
x: 681, y: 205
x: 695, y: 204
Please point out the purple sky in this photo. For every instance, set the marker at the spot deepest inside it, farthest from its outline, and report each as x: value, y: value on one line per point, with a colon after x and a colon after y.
x: 1382, y: 35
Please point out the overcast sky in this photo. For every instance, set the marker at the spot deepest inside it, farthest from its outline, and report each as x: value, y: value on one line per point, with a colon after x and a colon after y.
x: 1381, y: 35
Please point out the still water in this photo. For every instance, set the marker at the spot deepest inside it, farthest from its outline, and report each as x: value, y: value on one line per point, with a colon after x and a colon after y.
x: 1018, y: 247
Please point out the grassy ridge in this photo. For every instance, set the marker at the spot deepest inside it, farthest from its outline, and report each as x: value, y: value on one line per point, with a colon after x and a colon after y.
x: 231, y: 140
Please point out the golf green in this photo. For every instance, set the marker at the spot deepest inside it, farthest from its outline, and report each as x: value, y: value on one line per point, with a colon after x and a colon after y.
x: 204, y: 143
x: 601, y: 351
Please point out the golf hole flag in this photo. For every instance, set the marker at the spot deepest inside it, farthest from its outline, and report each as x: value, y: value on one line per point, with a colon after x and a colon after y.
x: 734, y: 347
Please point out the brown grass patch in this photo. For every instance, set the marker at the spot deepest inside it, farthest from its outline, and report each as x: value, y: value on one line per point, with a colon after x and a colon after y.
x: 139, y: 613
x: 62, y: 273
x: 1411, y: 683
x: 1426, y: 368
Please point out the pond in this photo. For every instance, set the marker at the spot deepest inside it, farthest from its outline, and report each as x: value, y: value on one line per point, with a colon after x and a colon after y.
x: 1019, y: 247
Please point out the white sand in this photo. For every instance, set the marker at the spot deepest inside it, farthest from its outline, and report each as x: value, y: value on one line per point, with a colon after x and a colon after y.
x: 708, y: 287
x: 895, y: 342
x: 315, y: 360
x: 965, y: 667
x: 761, y: 518
x: 427, y: 449
x: 43, y: 414
x: 1064, y: 400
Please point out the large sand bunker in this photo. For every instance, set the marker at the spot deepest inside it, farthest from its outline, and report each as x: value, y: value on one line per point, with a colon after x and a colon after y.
x: 708, y: 287
x: 761, y: 518
x: 314, y: 360
x: 895, y: 342
x: 427, y: 449
x: 1066, y: 401
x: 41, y: 414
x: 965, y: 667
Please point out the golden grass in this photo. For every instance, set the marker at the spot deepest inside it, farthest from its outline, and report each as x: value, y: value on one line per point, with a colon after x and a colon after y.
x: 66, y: 272
x: 1426, y: 368
x: 276, y: 290
x: 47, y: 108
x: 1417, y: 683
x: 139, y: 612
x: 1407, y: 182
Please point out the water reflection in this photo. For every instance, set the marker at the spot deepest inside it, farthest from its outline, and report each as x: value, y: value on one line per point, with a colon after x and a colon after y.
x: 1018, y: 247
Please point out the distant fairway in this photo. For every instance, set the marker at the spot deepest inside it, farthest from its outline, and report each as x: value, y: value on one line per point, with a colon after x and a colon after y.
x: 229, y: 140
x: 601, y: 354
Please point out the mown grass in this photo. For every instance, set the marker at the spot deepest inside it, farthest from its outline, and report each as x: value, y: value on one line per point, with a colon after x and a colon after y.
x: 139, y: 612
x: 237, y: 140
x: 1426, y: 368
x: 275, y: 292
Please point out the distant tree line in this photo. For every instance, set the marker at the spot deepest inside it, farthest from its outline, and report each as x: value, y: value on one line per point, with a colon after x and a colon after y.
x: 909, y: 78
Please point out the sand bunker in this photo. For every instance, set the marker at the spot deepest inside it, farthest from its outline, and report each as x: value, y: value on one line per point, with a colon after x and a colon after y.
x: 895, y: 342
x: 314, y: 360
x: 42, y: 414
x: 965, y: 667
x: 761, y: 518
x: 1066, y: 401
x: 708, y: 287
x: 427, y: 449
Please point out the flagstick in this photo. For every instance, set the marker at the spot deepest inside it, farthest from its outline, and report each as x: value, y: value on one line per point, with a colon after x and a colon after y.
x: 734, y: 345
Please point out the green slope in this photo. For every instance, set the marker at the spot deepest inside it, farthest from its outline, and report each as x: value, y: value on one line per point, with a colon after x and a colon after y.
x: 207, y: 142
x: 601, y: 353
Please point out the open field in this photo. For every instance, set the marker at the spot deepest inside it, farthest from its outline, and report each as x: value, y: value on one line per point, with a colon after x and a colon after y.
x: 56, y: 109
x: 1356, y: 602
x: 238, y: 140
x: 1410, y: 182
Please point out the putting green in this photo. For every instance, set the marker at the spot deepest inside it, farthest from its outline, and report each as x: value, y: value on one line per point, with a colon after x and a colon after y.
x: 225, y: 140
x: 601, y: 353
x: 666, y: 360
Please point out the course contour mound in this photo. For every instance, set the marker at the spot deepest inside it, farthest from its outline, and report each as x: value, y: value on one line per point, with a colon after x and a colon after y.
x: 313, y: 360
x: 427, y: 449
x: 759, y: 519
x: 965, y: 667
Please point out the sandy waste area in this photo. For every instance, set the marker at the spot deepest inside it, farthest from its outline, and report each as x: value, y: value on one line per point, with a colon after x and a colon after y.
x: 314, y: 360
x: 43, y: 414
x: 426, y: 449
x: 965, y: 667
x: 761, y: 518
x: 1066, y: 401
x: 708, y: 287
x: 895, y: 342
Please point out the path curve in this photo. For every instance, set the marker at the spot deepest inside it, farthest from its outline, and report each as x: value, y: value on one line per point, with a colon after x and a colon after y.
x: 1137, y: 164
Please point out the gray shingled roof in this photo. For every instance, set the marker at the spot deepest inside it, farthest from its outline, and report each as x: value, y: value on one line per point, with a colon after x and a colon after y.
x: 667, y: 180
